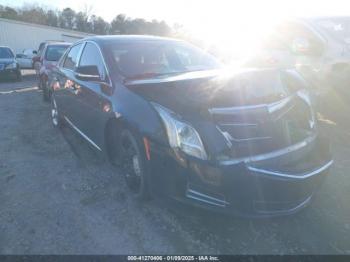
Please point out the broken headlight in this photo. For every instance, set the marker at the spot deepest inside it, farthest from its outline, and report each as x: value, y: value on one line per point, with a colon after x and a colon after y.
x: 180, y: 134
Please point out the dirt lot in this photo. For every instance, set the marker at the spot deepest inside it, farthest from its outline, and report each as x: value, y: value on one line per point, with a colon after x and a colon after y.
x: 59, y: 196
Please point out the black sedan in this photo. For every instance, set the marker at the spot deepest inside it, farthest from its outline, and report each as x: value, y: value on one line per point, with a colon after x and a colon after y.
x: 9, y: 67
x: 181, y: 127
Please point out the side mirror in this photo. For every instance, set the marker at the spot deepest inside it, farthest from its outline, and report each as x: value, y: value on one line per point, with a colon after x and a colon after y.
x: 88, y: 73
x: 18, y: 56
x: 301, y: 46
x: 35, y: 52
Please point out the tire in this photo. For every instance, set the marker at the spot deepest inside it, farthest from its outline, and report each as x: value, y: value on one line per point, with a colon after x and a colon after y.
x: 56, y: 120
x: 133, y: 164
x: 46, y: 93
x: 19, y: 76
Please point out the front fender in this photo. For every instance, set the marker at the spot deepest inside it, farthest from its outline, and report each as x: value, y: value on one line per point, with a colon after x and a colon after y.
x: 138, y: 114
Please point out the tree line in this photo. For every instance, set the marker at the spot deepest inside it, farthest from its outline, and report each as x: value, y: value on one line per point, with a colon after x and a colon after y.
x: 83, y: 21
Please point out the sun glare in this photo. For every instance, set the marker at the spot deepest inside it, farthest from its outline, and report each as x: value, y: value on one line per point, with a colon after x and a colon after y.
x: 233, y: 37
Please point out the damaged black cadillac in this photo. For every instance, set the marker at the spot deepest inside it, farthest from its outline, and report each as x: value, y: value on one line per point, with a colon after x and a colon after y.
x: 182, y: 127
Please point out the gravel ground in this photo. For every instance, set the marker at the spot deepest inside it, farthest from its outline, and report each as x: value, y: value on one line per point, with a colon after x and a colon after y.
x: 59, y: 196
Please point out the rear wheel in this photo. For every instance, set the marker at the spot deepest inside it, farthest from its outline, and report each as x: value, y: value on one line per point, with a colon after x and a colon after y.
x: 55, y: 117
x: 133, y: 164
x: 46, y: 92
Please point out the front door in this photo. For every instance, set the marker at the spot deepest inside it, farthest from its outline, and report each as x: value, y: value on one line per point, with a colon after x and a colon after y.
x: 92, y: 100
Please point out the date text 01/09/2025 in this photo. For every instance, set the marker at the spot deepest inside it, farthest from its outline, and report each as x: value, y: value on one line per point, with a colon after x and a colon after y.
x: 173, y: 258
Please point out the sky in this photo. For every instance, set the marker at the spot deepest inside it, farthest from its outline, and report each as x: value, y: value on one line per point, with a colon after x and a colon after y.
x: 217, y: 21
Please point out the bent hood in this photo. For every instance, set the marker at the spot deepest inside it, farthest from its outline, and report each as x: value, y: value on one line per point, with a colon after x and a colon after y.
x: 190, y: 93
x: 257, y: 111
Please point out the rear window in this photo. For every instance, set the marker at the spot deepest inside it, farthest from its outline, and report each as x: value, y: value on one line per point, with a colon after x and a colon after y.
x: 6, y: 53
x: 54, y: 53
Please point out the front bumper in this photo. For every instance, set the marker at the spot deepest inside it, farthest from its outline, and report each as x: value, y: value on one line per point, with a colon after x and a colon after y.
x: 9, y: 73
x: 277, y: 184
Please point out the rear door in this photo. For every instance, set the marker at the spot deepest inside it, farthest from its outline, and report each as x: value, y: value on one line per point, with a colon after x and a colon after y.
x: 66, y: 83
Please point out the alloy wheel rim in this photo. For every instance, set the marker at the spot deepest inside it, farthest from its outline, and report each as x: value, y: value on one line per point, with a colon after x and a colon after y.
x: 54, y: 113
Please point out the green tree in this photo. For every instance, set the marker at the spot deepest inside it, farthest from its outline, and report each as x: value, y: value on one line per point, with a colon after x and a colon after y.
x: 118, y: 24
x: 99, y: 26
x: 33, y: 14
x: 9, y: 13
x: 52, y: 18
x: 82, y: 22
x: 66, y: 18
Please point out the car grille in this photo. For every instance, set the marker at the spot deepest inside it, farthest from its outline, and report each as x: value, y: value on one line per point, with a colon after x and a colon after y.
x: 256, y: 130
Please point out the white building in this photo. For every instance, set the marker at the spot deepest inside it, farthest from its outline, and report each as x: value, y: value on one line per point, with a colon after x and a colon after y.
x: 20, y: 35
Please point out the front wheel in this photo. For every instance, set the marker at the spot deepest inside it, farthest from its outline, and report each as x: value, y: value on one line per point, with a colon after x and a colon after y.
x: 19, y: 76
x: 133, y: 164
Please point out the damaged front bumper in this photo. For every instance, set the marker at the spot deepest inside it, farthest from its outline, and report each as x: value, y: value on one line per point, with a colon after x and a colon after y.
x: 272, y: 184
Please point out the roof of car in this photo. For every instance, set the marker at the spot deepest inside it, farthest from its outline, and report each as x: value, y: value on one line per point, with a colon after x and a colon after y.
x: 128, y: 38
x: 58, y: 43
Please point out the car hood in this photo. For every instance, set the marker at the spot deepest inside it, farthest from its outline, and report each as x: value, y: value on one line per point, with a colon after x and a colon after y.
x: 188, y: 94
x: 257, y: 111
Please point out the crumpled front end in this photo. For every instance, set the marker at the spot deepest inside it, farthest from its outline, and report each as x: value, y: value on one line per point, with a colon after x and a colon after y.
x: 266, y: 155
x: 272, y: 184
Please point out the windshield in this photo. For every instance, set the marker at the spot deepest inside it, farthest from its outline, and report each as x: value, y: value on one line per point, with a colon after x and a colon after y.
x: 54, y: 53
x: 338, y: 28
x: 147, y: 59
x: 6, y: 53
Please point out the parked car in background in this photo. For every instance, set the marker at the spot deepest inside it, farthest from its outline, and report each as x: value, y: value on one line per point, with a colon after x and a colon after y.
x: 318, y: 47
x: 36, y: 59
x: 181, y: 127
x: 9, y: 67
x: 51, y: 53
x: 25, y: 59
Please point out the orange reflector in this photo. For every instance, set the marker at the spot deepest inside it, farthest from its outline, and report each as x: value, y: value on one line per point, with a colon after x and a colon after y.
x: 56, y: 85
x: 147, y: 148
x: 106, y: 108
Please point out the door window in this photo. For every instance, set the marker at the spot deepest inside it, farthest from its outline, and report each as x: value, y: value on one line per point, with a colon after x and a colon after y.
x: 72, y: 57
x: 92, y: 56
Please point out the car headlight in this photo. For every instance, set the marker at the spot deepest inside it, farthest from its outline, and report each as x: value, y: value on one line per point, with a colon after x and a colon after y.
x: 181, y: 135
x: 11, y: 66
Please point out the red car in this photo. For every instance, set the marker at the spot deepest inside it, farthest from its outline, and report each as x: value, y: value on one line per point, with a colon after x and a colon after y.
x: 50, y: 55
x: 36, y: 59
